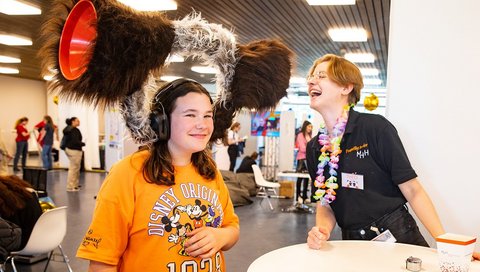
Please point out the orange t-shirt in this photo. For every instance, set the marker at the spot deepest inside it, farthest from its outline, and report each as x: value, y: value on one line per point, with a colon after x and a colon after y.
x: 141, y: 226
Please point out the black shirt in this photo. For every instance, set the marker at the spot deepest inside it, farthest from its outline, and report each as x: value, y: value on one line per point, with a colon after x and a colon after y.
x: 74, y: 138
x: 246, y: 165
x: 370, y: 148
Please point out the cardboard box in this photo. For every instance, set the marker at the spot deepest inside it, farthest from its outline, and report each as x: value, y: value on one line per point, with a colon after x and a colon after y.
x: 455, y: 252
x: 287, y: 188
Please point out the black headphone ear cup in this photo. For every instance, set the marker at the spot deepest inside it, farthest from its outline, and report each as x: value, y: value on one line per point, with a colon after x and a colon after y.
x: 163, y: 128
x: 159, y: 124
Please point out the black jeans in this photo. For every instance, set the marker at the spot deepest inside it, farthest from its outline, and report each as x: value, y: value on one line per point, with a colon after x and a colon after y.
x: 400, y: 223
x: 232, y: 154
x: 302, y: 167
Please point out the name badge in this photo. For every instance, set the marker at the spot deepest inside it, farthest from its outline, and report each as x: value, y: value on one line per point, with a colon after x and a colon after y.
x: 352, y: 181
x: 385, y: 236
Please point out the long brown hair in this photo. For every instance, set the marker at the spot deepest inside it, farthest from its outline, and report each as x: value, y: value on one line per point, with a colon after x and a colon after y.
x: 158, y: 167
x: 13, y: 194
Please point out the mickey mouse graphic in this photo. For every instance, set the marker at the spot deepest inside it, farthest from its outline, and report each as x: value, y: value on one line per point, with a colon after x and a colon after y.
x: 180, y: 236
x: 195, y: 212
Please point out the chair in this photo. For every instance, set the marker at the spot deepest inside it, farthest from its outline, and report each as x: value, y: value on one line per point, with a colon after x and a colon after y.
x: 264, y: 186
x: 47, y: 234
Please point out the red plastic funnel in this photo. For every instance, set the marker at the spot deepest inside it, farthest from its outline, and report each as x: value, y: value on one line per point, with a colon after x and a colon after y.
x: 78, y: 35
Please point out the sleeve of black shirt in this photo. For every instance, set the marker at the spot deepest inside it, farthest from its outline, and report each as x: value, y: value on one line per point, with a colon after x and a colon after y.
x: 392, y: 155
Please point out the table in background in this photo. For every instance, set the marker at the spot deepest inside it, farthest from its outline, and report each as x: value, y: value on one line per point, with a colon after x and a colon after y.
x: 348, y: 256
x: 296, y: 207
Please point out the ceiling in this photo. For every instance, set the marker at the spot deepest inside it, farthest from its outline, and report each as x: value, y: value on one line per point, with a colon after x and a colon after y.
x: 301, y: 26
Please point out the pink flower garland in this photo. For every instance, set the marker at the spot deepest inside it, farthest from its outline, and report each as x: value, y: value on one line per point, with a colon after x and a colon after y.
x: 330, y: 155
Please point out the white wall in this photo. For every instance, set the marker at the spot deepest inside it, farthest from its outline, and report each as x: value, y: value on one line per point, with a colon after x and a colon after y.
x: 18, y: 98
x: 433, y: 96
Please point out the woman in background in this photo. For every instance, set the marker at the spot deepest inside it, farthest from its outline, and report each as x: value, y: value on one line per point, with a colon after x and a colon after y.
x: 233, y: 140
x: 46, y: 138
x: 22, y: 143
x: 73, y: 150
x: 19, y: 205
x: 4, y: 156
x: 303, y: 137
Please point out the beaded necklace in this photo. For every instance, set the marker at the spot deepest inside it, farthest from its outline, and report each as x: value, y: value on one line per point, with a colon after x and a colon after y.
x: 330, y: 155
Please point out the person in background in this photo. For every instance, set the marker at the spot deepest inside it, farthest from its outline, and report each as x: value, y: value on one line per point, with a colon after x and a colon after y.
x: 19, y: 204
x: 301, y: 141
x: 46, y: 138
x: 167, y: 206
x: 22, y: 143
x: 233, y: 140
x: 220, y: 154
x: 4, y: 156
x: 73, y: 150
x: 247, y: 162
x: 361, y: 170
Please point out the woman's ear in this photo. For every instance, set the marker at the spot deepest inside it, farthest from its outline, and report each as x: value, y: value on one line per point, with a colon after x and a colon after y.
x: 347, y: 89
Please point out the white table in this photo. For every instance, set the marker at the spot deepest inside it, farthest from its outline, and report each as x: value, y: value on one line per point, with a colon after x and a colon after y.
x: 293, y: 175
x: 348, y: 256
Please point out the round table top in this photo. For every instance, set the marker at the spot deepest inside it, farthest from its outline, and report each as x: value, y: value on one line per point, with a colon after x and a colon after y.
x: 348, y: 256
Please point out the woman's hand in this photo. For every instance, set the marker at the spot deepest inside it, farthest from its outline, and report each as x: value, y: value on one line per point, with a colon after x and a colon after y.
x: 204, y: 242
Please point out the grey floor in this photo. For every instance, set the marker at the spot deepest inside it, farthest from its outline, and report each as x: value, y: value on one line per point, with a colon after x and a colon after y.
x: 261, y: 230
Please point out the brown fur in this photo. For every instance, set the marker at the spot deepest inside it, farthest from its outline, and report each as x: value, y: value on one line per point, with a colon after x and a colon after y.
x: 129, y: 45
x: 262, y: 75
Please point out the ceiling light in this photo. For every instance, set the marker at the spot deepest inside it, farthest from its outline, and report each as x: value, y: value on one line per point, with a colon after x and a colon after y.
x: 149, y: 5
x: 169, y: 78
x: 6, y: 70
x: 175, y: 58
x: 372, y: 81
x: 360, y: 57
x: 14, y: 40
x: 13, y: 7
x: 7, y: 59
x: 330, y: 2
x: 348, y: 34
x: 204, y: 69
x: 369, y: 71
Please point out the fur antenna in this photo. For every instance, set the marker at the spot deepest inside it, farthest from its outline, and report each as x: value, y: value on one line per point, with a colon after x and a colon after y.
x: 135, y: 110
x: 122, y: 53
x: 212, y: 43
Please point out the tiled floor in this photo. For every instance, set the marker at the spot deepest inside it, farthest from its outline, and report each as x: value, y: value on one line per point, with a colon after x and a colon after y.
x: 261, y: 230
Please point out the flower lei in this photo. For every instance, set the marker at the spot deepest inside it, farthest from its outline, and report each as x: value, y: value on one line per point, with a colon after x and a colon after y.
x: 330, y: 155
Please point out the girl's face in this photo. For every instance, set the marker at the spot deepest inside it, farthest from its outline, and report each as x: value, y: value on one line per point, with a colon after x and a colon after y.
x: 191, y: 124
x: 309, y: 129
x: 76, y: 122
x: 324, y: 92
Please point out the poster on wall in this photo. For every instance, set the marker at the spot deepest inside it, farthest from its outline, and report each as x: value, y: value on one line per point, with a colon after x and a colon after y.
x: 266, y: 124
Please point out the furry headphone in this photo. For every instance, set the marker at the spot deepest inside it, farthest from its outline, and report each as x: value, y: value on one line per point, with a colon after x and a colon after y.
x: 117, y: 67
x: 159, y: 119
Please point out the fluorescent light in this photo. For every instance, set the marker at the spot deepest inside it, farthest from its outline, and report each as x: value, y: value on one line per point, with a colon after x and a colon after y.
x: 7, y: 59
x: 330, y: 2
x: 360, y: 57
x: 149, y: 5
x: 204, y: 69
x: 6, y: 70
x: 14, y: 40
x: 13, y: 7
x: 169, y: 78
x: 298, y: 80
x: 372, y: 81
x: 348, y: 34
x: 175, y: 58
x: 369, y: 71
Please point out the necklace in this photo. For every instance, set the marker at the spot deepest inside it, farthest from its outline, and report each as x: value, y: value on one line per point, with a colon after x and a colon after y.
x: 330, y: 155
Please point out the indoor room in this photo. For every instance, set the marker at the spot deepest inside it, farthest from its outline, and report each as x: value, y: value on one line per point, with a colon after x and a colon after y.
x: 208, y: 135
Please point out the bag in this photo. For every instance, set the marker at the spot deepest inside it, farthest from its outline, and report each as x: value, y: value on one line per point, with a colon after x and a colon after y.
x: 10, y: 238
x: 63, y: 143
x: 37, y: 177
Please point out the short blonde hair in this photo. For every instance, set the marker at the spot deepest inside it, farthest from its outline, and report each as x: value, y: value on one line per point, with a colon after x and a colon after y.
x: 342, y: 72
